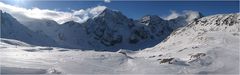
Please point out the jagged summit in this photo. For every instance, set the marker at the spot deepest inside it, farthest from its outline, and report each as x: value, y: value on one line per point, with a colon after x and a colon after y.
x: 150, y: 19
x: 71, y: 23
x: 111, y: 14
x: 219, y: 22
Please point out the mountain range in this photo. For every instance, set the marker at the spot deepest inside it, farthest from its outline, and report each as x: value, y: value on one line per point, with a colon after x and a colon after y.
x: 109, y: 30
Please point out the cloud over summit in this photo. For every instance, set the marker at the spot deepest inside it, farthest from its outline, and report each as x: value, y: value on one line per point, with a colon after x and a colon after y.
x: 80, y: 16
x: 23, y: 14
x: 189, y: 14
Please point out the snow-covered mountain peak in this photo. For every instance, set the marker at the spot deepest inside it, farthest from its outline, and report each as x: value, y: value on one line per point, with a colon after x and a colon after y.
x: 5, y: 15
x: 220, y: 22
x: 208, y: 42
x: 150, y: 19
x: 108, y: 13
x: 198, y: 32
x: 97, y: 10
x: 71, y: 23
x: 12, y: 29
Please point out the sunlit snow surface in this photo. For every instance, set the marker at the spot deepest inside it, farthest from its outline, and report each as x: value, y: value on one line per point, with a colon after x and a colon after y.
x: 222, y: 57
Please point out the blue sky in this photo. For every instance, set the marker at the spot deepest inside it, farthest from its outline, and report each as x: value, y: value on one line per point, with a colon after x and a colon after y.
x: 136, y: 9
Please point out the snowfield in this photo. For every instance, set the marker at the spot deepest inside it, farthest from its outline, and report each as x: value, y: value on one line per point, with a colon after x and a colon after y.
x: 64, y: 61
x: 222, y: 57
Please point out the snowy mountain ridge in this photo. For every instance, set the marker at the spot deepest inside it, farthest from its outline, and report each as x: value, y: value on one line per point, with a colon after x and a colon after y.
x: 210, y: 44
x: 109, y: 30
x: 12, y: 29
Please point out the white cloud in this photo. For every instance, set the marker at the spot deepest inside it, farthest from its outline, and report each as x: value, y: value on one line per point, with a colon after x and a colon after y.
x: 88, y: 13
x: 189, y: 14
x: 173, y: 15
x: 107, y: 1
x: 24, y: 14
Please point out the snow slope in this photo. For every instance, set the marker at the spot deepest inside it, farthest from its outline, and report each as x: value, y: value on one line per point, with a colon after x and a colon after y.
x: 207, y: 45
x: 43, y: 26
x: 12, y: 29
x: 57, y: 60
x: 45, y: 60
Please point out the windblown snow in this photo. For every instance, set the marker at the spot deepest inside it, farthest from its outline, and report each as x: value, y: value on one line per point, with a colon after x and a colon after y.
x: 202, y: 45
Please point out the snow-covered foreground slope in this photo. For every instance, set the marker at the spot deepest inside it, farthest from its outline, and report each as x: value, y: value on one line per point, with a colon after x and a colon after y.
x: 207, y: 45
x: 45, y: 60
x: 221, y: 57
